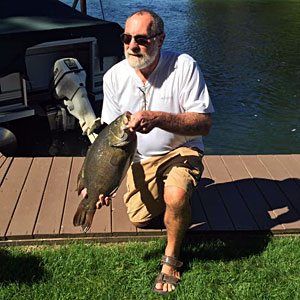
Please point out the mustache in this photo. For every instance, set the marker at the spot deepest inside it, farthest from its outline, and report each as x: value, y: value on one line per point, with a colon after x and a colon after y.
x: 137, y: 52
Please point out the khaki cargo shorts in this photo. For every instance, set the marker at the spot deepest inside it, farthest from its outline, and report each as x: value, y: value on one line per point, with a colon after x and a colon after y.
x: 181, y: 167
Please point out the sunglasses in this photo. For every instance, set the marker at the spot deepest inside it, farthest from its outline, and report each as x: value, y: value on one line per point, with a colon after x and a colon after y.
x: 139, y: 39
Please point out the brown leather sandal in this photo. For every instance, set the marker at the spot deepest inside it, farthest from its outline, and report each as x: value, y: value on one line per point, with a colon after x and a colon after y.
x: 165, y: 278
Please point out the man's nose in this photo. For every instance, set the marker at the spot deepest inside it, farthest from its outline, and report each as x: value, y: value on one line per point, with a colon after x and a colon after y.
x: 133, y: 44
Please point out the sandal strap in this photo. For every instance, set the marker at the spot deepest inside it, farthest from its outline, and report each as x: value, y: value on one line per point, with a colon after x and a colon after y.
x: 165, y: 278
x: 171, y: 261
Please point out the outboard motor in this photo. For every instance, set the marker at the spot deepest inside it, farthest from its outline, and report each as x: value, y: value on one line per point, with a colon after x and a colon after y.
x: 69, y: 85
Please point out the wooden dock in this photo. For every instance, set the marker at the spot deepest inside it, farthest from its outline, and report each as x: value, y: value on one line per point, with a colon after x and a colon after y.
x: 249, y: 194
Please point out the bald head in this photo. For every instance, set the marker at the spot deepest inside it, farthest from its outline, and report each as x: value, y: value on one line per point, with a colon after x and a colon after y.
x: 156, y: 24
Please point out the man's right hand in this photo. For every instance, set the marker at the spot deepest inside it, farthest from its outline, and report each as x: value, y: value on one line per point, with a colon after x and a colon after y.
x: 143, y: 121
x: 102, y: 200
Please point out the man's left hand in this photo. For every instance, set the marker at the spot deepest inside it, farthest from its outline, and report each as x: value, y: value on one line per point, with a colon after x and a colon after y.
x: 102, y: 199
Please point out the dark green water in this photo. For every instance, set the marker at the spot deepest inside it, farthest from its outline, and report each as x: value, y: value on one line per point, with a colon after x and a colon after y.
x: 249, y: 52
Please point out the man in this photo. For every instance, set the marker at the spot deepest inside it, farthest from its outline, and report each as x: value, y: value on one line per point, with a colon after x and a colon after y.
x: 170, y: 106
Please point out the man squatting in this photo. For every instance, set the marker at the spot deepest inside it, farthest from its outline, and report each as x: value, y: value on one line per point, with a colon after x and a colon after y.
x: 170, y: 105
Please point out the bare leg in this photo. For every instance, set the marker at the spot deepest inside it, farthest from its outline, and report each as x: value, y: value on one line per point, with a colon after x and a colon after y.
x: 177, y: 219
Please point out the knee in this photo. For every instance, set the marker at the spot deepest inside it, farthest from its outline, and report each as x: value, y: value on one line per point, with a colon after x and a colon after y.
x: 176, y: 198
x: 140, y: 224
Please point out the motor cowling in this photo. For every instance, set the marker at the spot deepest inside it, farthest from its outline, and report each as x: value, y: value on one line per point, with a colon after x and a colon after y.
x: 69, y: 86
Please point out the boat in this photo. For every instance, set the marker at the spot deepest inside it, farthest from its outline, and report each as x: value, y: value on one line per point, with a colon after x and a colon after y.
x: 35, y: 35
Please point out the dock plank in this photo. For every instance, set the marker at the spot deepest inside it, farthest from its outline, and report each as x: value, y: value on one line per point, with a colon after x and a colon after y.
x: 120, y: 220
x: 291, y: 163
x: 10, y: 190
x: 215, y: 211
x: 72, y: 200
x: 199, y: 219
x: 2, y: 159
x: 256, y: 203
x: 284, y: 211
x: 236, y: 207
x: 26, y: 212
x: 4, y: 168
x: 287, y: 185
x: 51, y: 210
x: 38, y: 199
x: 102, y: 222
x: 296, y: 157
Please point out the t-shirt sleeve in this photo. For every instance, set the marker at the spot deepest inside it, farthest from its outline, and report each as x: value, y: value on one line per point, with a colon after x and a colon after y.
x: 110, y: 108
x: 194, y: 96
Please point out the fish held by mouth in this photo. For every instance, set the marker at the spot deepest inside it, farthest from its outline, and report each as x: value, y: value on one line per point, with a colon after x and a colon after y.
x: 104, y: 167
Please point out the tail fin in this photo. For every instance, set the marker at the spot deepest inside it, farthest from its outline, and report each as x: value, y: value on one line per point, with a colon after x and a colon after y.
x: 83, y: 217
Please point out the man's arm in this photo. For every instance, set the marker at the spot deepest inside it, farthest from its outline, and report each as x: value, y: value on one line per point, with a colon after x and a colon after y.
x: 189, y: 123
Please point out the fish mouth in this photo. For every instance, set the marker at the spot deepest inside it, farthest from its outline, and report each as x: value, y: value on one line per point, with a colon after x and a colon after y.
x: 126, y: 120
x: 127, y: 134
x: 128, y: 115
x: 124, y: 134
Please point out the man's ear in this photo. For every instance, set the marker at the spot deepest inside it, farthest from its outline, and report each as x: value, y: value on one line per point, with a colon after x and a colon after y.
x: 161, y: 39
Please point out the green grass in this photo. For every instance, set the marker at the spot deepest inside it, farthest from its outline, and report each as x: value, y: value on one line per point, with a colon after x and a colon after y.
x: 259, y: 268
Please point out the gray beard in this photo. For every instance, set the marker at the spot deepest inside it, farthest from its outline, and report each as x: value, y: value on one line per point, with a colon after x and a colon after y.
x: 144, y: 61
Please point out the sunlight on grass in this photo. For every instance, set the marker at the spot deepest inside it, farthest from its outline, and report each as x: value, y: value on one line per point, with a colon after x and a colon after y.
x: 255, y: 268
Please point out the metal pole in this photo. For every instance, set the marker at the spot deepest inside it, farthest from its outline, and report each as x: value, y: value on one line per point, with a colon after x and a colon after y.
x: 83, y: 6
x: 102, y: 9
x: 75, y: 3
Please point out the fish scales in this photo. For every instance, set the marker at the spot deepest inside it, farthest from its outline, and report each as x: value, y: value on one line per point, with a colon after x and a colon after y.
x: 104, y: 167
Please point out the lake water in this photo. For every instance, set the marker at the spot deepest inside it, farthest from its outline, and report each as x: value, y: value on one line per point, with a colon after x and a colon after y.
x: 249, y: 53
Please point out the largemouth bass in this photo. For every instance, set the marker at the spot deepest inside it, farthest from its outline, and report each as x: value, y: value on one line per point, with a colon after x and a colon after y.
x: 104, y: 167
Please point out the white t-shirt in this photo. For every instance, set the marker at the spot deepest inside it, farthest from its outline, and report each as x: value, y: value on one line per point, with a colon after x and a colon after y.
x: 176, y: 86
